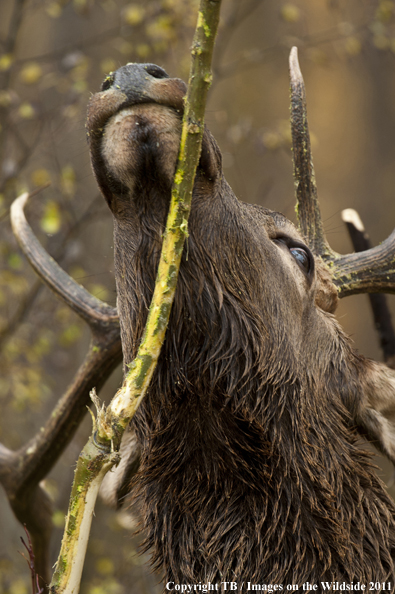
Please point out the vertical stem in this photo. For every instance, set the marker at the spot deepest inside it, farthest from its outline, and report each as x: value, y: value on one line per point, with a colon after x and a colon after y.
x: 92, y: 467
x: 98, y: 457
x: 137, y: 380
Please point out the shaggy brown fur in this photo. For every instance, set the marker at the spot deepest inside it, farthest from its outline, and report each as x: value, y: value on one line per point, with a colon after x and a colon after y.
x: 250, y: 469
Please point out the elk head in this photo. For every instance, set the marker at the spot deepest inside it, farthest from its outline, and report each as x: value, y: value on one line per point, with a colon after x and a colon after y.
x: 249, y: 461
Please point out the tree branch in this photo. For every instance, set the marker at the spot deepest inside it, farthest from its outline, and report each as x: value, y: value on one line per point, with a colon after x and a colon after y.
x: 22, y: 471
x: 98, y: 455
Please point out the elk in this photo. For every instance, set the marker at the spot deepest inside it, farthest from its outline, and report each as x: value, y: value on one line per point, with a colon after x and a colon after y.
x: 248, y: 439
x: 250, y: 465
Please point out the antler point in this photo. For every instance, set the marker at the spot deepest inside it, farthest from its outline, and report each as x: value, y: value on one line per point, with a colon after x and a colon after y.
x: 294, y: 68
x: 349, y: 215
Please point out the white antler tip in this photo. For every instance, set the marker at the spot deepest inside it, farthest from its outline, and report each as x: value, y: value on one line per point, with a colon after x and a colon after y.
x: 294, y: 67
x: 349, y: 215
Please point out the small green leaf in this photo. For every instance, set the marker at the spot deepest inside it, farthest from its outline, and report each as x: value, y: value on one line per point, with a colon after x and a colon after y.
x: 15, y: 261
x: 31, y: 73
x: 133, y: 14
x: 51, y: 220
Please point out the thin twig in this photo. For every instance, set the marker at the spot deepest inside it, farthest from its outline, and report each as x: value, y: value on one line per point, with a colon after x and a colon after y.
x: 31, y: 563
x: 237, y: 15
x: 257, y: 57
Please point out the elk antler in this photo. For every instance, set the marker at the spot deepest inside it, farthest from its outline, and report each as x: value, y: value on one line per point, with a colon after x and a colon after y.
x: 381, y: 313
x: 21, y: 471
x: 370, y: 271
x: 308, y: 210
x: 90, y: 309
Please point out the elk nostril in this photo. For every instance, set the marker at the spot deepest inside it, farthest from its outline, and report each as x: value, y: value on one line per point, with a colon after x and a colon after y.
x: 108, y: 82
x: 156, y: 71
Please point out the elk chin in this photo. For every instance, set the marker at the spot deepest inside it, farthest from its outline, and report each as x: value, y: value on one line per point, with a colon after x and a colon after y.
x: 139, y: 149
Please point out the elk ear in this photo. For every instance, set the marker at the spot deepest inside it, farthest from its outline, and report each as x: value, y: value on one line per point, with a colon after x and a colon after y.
x: 375, y: 415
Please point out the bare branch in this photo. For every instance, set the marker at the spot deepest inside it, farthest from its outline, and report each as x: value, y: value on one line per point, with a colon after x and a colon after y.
x: 31, y: 563
x: 257, y: 57
x: 90, y: 309
x: 38, y: 456
x: 32, y: 508
x: 83, y: 44
x: 21, y: 312
x: 238, y: 12
x: 12, y: 34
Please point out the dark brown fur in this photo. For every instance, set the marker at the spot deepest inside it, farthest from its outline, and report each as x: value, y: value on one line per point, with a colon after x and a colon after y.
x: 250, y: 468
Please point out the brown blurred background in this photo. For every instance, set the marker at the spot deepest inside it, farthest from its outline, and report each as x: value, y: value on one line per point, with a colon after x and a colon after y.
x: 53, y: 54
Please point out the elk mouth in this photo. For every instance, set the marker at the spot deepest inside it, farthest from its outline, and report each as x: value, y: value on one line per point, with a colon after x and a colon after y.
x: 131, y: 86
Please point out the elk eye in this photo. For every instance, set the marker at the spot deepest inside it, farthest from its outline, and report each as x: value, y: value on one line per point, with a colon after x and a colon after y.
x: 301, y: 257
x: 300, y: 253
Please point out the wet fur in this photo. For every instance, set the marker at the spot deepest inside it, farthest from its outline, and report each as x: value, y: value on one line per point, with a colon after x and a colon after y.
x: 250, y: 466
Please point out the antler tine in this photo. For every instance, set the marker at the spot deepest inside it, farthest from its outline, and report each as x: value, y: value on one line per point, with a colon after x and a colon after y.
x: 90, y: 309
x: 307, y: 207
x: 370, y: 271
x: 378, y: 302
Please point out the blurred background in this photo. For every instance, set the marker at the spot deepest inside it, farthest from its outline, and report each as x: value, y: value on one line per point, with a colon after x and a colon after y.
x: 53, y: 55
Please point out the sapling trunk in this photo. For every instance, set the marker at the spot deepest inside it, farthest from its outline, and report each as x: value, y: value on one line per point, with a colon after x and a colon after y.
x: 99, y: 454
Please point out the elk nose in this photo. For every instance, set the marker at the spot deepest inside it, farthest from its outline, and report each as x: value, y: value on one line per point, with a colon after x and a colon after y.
x: 146, y: 83
x: 134, y: 79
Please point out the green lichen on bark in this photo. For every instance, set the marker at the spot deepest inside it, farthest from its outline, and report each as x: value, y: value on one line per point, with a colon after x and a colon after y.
x: 91, y: 467
x: 60, y: 571
x: 93, y: 463
x: 133, y: 390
